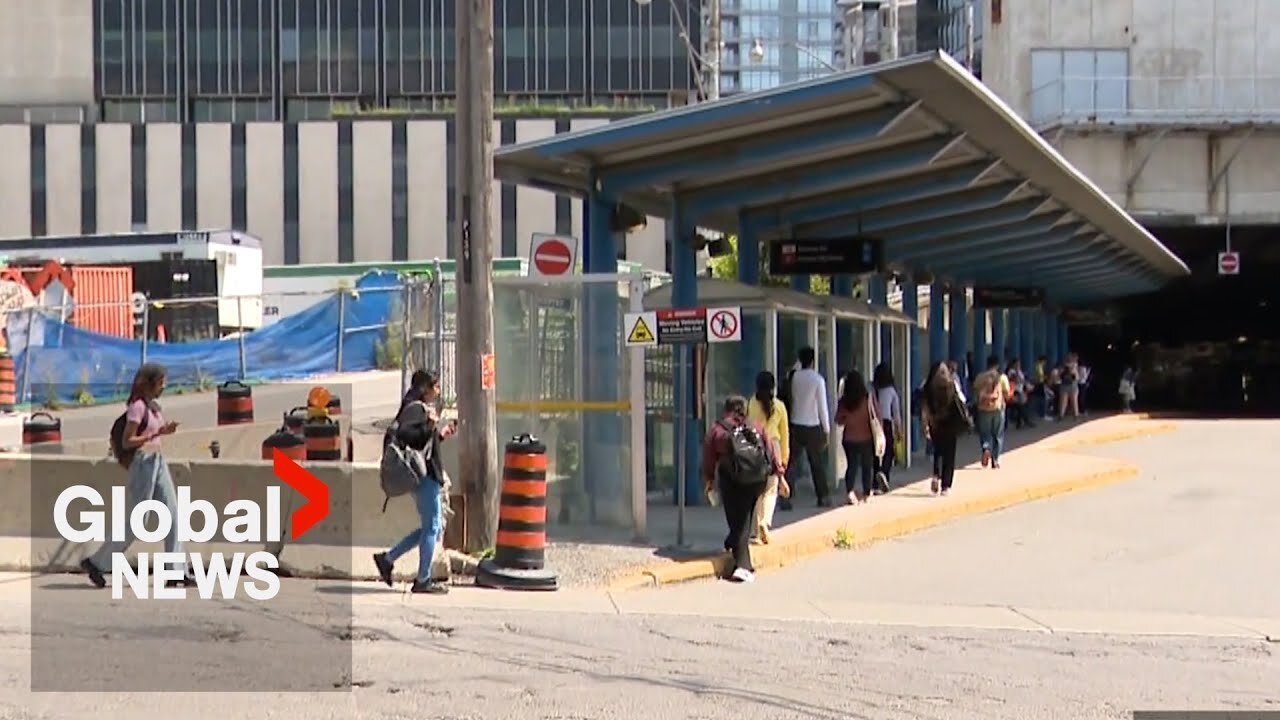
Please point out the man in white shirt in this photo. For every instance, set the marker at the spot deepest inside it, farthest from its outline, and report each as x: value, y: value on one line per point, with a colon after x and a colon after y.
x: 810, y: 423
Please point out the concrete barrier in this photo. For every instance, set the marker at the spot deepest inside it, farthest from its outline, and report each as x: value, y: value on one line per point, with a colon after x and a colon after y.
x: 340, y: 546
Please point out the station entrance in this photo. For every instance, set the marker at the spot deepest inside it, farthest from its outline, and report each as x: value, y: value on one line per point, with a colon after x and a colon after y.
x: 1207, y: 343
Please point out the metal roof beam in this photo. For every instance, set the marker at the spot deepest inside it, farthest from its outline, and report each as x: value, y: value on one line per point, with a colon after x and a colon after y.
x: 911, y: 189
x: 777, y: 188
x: 1055, y: 241
x: 993, y: 219
x: 1017, y: 231
x: 827, y: 138
x: 924, y: 211
x: 1076, y: 259
x: 987, y: 171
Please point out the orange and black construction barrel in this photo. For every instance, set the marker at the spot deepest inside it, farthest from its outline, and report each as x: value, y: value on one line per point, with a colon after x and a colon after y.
x: 293, y: 447
x: 235, y: 403
x: 41, y: 428
x: 519, y: 559
x: 334, y: 406
x: 323, y: 439
x: 8, y: 383
x: 295, y: 419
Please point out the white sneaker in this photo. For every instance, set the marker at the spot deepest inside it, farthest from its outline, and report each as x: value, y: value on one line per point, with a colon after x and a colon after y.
x: 744, y: 576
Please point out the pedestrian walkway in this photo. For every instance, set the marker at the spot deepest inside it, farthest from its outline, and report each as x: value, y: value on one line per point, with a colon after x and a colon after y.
x: 1038, y: 464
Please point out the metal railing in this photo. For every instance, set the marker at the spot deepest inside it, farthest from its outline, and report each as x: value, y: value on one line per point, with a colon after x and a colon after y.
x: 1136, y: 99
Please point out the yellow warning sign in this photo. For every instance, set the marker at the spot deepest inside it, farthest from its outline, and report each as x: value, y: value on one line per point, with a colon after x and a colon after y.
x: 641, y: 332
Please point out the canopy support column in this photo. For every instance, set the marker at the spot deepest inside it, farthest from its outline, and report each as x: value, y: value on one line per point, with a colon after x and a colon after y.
x: 602, y: 431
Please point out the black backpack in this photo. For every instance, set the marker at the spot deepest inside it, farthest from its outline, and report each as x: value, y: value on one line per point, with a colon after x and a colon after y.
x: 124, y: 455
x: 747, y: 462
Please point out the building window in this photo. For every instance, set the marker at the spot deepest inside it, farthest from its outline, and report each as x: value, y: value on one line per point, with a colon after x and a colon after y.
x: 292, y: 243
x: 189, y: 177
x: 1079, y: 85
x: 138, y: 177
x: 239, y: 179
x: 39, y: 182
x: 400, y: 191
x: 88, y: 179
x: 346, y: 194
x: 337, y: 47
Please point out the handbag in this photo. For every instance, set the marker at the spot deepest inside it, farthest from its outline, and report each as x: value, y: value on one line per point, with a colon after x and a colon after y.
x: 877, y: 428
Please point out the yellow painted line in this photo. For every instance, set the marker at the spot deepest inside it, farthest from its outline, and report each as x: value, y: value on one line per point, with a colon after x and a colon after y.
x: 565, y: 406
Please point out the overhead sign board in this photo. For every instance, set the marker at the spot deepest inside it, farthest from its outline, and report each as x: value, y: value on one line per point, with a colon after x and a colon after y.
x: 683, y: 326
x: 853, y: 255
x: 1007, y: 297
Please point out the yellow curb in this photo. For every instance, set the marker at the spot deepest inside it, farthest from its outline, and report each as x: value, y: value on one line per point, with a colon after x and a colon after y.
x: 1104, y: 438
x: 796, y: 543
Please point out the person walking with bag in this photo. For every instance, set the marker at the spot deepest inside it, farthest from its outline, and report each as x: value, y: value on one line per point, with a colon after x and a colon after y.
x: 993, y: 394
x: 862, y: 437
x: 945, y: 417
x: 769, y: 412
x: 738, y: 457
x: 135, y: 443
x: 417, y: 433
x: 889, y: 405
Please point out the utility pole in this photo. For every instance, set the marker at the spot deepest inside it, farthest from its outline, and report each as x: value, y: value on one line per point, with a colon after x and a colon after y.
x: 477, y: 429
x: 890, y: 33
x: 712, y: 54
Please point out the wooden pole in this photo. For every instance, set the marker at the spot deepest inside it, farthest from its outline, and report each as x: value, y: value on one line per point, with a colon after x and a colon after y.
x: 477, y: 430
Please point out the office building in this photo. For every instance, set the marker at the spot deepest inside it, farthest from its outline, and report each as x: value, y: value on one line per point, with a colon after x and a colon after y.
x: 322, y: 126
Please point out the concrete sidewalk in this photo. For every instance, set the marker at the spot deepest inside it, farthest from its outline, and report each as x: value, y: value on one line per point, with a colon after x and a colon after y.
x: 1038, y: 465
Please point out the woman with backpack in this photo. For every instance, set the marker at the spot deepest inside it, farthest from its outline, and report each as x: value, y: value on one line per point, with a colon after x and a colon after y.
x: 135, y: 443
x: 862, y: 437
x: 738, y: 457
x: 770, y: 413
x: 418, y: 428
x: 946, y: 418
x: 890, y: 406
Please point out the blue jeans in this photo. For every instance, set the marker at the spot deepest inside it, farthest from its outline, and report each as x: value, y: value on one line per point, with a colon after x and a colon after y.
x: 427, y: 499
x: 991, y: 431
x: 149, y: 479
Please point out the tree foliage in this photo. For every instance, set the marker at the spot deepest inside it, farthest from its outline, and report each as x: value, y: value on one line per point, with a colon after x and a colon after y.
x: 726, y: 268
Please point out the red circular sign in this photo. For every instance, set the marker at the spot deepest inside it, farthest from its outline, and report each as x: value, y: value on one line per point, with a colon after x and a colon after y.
x: 724, y: 324
x: 552, y: 256
x: 1228, y: 262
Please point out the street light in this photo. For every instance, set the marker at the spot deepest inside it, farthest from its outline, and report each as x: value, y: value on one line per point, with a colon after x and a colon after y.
x: 756, y: 53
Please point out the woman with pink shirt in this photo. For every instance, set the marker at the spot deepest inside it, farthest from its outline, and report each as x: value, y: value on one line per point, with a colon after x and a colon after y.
x: 149, y: 479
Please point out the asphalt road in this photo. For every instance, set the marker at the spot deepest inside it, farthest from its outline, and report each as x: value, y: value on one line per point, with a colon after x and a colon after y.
x: 1156, y: 594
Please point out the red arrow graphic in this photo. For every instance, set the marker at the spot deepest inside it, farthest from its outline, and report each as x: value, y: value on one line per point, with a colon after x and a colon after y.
x: 308, y: 486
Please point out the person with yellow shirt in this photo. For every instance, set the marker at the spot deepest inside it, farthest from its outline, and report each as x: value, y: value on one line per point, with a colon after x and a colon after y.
x: 766, y: 409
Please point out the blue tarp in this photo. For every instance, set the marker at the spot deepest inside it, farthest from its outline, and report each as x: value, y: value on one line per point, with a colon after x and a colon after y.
x: 67, y: 361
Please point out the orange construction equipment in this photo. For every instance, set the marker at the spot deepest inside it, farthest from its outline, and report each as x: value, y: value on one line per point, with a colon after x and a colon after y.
x: 290, y: 445
x: 235, y: 403
x: 8, y: 386
x: 323, y: 438
x: 41, y: 428
x: 519, y: 559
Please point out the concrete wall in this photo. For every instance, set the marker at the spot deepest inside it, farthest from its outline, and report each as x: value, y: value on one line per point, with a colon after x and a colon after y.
x: 339, y: 546
x: 1190, y: 61
x: 46, y: 52
x: 1203, y: 52
x: 265, y: 179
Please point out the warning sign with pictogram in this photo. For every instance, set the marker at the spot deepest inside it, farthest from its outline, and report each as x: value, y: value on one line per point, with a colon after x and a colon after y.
x: 640, y: 329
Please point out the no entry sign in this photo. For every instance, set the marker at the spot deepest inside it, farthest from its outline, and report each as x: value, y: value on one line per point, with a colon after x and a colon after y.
x: 552, y: 255
x: 1229, y: 263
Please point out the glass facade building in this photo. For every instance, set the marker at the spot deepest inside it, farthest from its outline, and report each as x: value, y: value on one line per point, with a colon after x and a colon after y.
x: 800, y: 40
x: 255, y: 60
x: 942, y: 25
